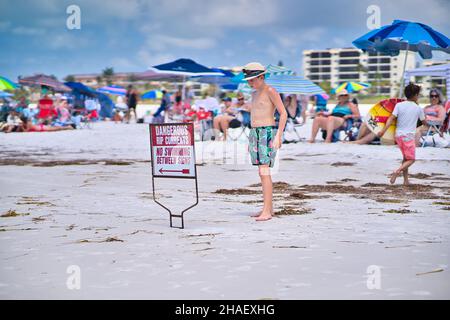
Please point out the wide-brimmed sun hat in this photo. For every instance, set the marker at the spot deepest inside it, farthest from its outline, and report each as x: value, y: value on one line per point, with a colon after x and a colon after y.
x: 253, y: 70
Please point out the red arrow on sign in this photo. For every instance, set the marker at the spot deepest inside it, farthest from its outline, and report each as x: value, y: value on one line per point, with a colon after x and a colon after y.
x: 183, y: 171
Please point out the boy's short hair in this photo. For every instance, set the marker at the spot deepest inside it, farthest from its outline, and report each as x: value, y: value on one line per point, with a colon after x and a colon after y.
x: 411, y: 90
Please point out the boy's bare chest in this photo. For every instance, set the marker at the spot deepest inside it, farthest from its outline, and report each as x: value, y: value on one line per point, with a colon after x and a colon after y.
x: 262, y: 102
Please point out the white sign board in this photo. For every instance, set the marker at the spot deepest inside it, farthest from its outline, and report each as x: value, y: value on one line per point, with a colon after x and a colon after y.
x: 172, y: 148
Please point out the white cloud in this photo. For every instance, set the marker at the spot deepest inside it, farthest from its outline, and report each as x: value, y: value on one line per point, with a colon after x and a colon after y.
x: 28, y: 31
x: 237, y: 13
x: 122, y: 63
x: 192, y: 43
x: 67, y: 40
x: 149, y: 58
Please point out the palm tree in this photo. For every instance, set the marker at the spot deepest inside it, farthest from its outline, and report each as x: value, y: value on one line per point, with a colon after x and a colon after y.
x: 99, y: 80
x: 69, y: 78
x: 108, y: 74
x: 326, y: 86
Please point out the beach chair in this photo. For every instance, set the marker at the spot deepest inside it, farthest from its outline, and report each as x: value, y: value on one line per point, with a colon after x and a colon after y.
x: 445, y: 128
x: 46, y: 110
x: 245, y: 124
x: 433, y: 128
x: 351, y: 132
x: 345, y: 128
x: 203, y: 123
x: 290, y: 133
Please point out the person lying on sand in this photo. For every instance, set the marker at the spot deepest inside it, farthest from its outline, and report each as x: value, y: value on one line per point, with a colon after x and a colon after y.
x: 264, y: 138
x: 29, y: 127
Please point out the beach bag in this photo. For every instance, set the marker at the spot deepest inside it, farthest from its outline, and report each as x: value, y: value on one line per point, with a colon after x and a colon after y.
x: 436, y: 141
x: 289, y: 134
x: 235, y: 123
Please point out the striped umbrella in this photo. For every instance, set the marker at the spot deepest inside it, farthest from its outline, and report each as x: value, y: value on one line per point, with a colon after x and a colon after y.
x: 351, y: 87
x: 43, y: 80
x: 6, y: 84
x: 4, y: 94
x: 278, y: 71
x: 288, y: 85
x: 153, y: 94
x: 113, y: 89
x: 293, y: 85
x: 271, y: 71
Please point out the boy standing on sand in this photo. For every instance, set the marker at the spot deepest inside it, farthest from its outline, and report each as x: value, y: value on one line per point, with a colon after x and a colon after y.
x: 264, y: 138
x: 407, y: 114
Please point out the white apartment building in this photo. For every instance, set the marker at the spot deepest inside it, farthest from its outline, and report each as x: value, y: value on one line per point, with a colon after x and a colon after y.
x: 339, y: 65
x: 429, y: 83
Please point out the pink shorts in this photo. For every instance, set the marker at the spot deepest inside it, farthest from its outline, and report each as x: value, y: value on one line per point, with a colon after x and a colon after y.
x: 407, y: 145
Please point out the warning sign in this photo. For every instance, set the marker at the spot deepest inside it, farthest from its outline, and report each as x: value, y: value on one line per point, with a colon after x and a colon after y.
x: 172, y: 148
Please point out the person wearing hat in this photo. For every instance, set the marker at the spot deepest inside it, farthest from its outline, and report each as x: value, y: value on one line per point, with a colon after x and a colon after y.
x: 264, y: 138
x: 222, y: 122
x: 344, y: 110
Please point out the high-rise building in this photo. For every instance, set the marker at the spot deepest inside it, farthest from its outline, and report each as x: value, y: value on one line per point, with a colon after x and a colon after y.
x: 428, y: 82
x: 339, y: 65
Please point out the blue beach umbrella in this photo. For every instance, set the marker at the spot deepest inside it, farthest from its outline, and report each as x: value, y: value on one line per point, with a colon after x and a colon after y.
x: 81, y: 88
x: 404, y: 35
x: 185, y: 67
x: 223, y: 81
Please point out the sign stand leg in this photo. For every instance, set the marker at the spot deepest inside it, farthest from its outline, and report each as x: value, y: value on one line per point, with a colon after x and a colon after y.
x: 171, y: 215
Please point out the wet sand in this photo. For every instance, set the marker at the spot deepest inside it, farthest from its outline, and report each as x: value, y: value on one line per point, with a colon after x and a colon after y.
x: 84, y: 198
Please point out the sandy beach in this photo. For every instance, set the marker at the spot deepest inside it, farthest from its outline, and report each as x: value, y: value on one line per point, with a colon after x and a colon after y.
x: 84, y: 198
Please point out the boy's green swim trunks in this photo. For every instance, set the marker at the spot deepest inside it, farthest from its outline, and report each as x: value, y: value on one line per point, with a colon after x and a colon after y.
x: 261, y: 145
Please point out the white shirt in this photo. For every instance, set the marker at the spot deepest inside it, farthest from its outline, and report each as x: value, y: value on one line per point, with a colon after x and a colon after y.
x: 407, y: 113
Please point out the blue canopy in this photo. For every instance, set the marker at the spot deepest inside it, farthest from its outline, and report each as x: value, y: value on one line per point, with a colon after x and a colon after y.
x: 185, y: 67
x: 81, y: 88
x: 224, y: 80
x: 107, y: 105
x: 404, y: 35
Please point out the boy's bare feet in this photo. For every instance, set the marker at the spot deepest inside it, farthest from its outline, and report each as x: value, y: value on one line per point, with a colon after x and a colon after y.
x: 260, y: 213
x: 406, y: 182
x: 264, y: 216
x: 394, y: 176
x: 311, y: 141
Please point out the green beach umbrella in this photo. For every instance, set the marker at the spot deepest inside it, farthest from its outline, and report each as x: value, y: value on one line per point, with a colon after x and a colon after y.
x: 6, y: 84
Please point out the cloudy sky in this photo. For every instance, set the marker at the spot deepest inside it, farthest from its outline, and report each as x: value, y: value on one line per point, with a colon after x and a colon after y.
x: 131, y: 35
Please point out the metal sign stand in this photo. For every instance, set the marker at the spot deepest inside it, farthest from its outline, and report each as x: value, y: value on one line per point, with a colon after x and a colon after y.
x: 171, y: 215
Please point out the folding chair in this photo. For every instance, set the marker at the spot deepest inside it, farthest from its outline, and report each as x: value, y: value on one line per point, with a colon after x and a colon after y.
x: 244, y: 118
x: 47, y: 110
x: 433, y: 128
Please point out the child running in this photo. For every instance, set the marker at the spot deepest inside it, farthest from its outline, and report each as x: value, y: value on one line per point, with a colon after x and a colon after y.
x: 407, y: 114
x: 264, y: 138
